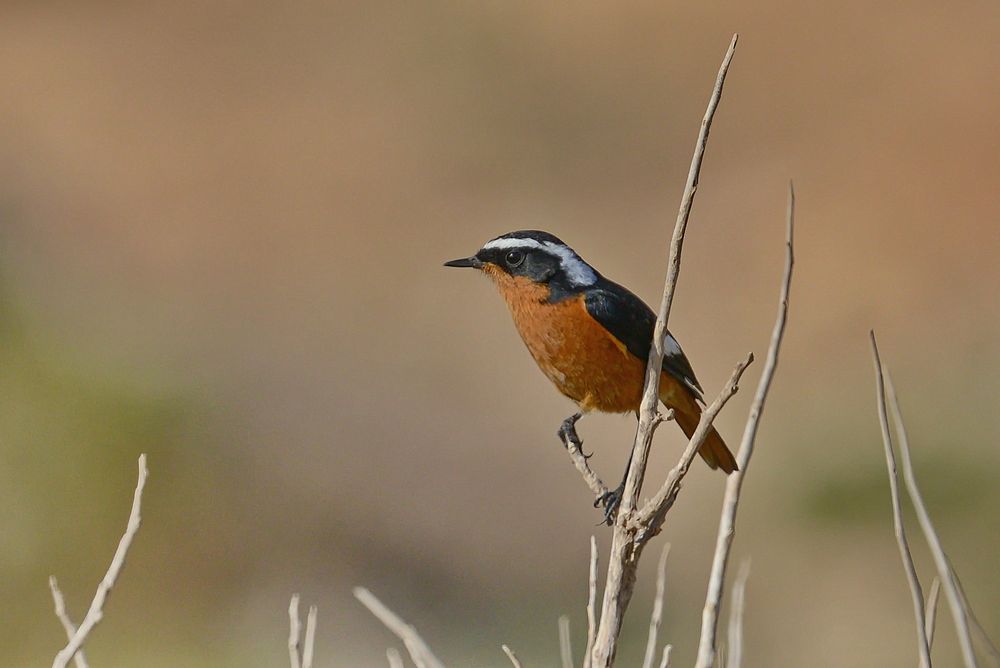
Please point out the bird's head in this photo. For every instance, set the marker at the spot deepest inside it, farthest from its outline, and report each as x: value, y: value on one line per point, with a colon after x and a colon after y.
x: 531, y: 259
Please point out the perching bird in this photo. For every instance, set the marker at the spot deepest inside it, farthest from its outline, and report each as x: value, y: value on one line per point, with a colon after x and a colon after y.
x: 591, y: 337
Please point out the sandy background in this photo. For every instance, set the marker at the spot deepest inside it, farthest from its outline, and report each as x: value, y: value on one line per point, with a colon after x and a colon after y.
x: 221, y: 231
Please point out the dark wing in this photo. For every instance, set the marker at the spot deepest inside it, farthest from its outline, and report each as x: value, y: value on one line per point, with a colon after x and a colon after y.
x: 630, y: 321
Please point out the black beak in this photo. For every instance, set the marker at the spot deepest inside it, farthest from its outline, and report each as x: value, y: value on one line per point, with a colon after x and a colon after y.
x: 473, y: 262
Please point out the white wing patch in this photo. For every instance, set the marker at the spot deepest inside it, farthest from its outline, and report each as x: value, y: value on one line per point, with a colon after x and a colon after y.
x: 577, y: 271
x: 673, y: 349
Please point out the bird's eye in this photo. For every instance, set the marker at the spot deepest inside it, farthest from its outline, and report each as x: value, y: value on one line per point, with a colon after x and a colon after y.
x: 514, y: 258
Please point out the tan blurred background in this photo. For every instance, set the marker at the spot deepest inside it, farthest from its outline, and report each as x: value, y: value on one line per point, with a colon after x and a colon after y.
x: 221, y: 231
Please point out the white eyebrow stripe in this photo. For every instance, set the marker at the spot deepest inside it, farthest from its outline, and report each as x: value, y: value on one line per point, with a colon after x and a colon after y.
x: 510, y: 242
x: 577, y: 271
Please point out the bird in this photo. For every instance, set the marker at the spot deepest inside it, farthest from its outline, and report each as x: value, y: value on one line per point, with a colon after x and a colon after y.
x: 590, y: 336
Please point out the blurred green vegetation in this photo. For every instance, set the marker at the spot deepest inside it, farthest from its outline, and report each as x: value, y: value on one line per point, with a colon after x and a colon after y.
x: 859, y: 495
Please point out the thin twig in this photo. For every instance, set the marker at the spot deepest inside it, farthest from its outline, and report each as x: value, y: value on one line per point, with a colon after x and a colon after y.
x: 510, y: 655
x: 565, y: 647
x: 656, y: 618
x: 96, y: 611
x: 310, y: 641
x: 736, y: 614
x: 395, y: 660
x: 591, y: 603
x: 958, y: 614
x: 665, y: 661
x: 421, y: 654
x: 80, y: 659
x: 734, y: 483
x: 294, y: 633
x: 923, y: 647
x: 930, y: 613
x: 574, y: 447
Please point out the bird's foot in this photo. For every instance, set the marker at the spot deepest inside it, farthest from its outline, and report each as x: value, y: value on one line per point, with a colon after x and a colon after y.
x: 567, y: 434
x: 610, y: 500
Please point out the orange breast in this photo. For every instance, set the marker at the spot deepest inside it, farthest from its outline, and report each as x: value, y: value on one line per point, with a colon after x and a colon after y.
x: 584, y: 361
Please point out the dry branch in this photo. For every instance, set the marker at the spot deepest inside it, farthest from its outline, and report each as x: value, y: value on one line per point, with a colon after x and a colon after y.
x: 80, y: 659
x: 736, y: 613
x: 945, y: 573
x: 310, y: 641
x: 734, y: 483
x: 421, y: 654
x: 923, y: 647
x: 395, y: 660
x: 96, y: 611
x: 665, y: 661
x: 510, y: 655
x: 591, y: 603
x: 574, y: 447
x: 631, y: 534
x: 294, y: 632
x: 565, y: 646
x: 930, y: 614
x: 656, y: 617
x: 649, y: 519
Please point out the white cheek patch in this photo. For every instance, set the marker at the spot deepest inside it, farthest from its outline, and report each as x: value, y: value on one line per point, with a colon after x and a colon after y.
x: 577, y: 271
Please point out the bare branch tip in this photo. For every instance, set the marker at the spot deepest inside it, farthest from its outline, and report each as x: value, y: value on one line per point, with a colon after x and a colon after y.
x: 510, y: 655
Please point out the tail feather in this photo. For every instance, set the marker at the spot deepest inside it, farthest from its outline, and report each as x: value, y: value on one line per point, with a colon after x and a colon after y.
x: 713, y: 450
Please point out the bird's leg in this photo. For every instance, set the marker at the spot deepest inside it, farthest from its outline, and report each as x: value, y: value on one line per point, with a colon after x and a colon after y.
x: 567, y: 434
x: 613, y: 498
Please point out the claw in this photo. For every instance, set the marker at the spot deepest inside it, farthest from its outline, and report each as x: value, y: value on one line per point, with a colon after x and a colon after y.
x: 610, y: 500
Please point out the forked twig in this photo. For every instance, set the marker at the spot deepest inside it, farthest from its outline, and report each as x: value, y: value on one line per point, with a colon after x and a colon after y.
x: 420, y: 653
x: 649, y: 519
x: 923, y: 647
x: 96, y: 611
x: 629, y: 539
x: 958, y: 611
x: 80, y: 659
x: 300, y: 653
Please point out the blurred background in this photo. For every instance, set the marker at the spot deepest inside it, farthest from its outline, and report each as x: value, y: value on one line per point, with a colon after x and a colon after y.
x: 221, y: 237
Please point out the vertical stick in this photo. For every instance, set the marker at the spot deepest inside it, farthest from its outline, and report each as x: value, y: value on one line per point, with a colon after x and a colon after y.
x: 897, y: 515
x: 734, y: 483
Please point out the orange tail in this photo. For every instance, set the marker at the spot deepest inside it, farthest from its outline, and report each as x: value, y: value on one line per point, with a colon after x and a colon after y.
x: 713, y: 450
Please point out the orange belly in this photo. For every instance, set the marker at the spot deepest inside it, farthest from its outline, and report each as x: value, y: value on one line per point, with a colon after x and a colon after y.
x: 584, y: 361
